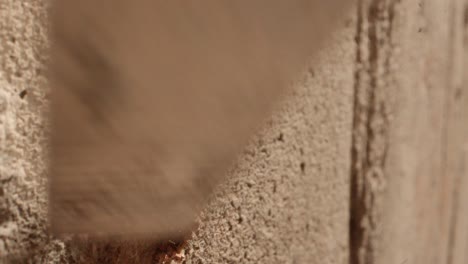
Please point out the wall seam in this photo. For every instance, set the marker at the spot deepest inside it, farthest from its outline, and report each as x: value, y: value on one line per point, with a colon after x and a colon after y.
x: 370, y: 126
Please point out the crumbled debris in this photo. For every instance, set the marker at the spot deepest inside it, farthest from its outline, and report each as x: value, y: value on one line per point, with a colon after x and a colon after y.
x: 91, y: 251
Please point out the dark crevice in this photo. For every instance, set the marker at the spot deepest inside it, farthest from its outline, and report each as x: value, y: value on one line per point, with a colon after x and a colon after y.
x: 303, y: 167
x: 280, y: 137
x: 370, y: 124
x: 355, y: 206
x: 23, y: 94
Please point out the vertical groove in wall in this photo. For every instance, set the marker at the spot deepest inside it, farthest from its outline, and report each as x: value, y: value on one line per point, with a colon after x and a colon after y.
x: 370, y: 128
x: 455, y: 137
x: 445, y: 139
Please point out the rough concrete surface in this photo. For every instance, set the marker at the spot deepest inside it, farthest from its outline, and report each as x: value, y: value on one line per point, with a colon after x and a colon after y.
x: 23, y: 129
x: 382, y: 113
x: 286, y: 200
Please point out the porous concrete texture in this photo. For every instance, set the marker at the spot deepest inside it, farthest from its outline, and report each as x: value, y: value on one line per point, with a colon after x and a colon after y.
x: 285, y: 202
x: 23, y: 129
x: 382, y: 112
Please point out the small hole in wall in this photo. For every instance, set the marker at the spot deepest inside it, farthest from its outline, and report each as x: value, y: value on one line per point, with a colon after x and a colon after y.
x: 303, y: 166
x: 12, y: 39
x: 280, y: 137
x: 23, y: 94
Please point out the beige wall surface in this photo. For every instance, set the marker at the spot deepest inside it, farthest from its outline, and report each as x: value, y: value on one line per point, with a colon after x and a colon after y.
x: 411, y: 96
x: 382, y: 111
x: 409, y: 174
x: 288, y: 195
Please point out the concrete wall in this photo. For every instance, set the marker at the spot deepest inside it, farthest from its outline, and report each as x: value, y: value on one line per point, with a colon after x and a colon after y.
x: 410, y: 132
x: 381, y: 112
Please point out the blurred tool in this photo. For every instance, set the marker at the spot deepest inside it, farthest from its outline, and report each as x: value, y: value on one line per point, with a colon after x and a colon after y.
x: 153, y: 100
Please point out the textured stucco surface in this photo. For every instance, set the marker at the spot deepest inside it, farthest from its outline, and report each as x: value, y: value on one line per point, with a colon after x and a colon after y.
x: 384, y: 107
x: 22, y: 128
x: 286, y: 200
